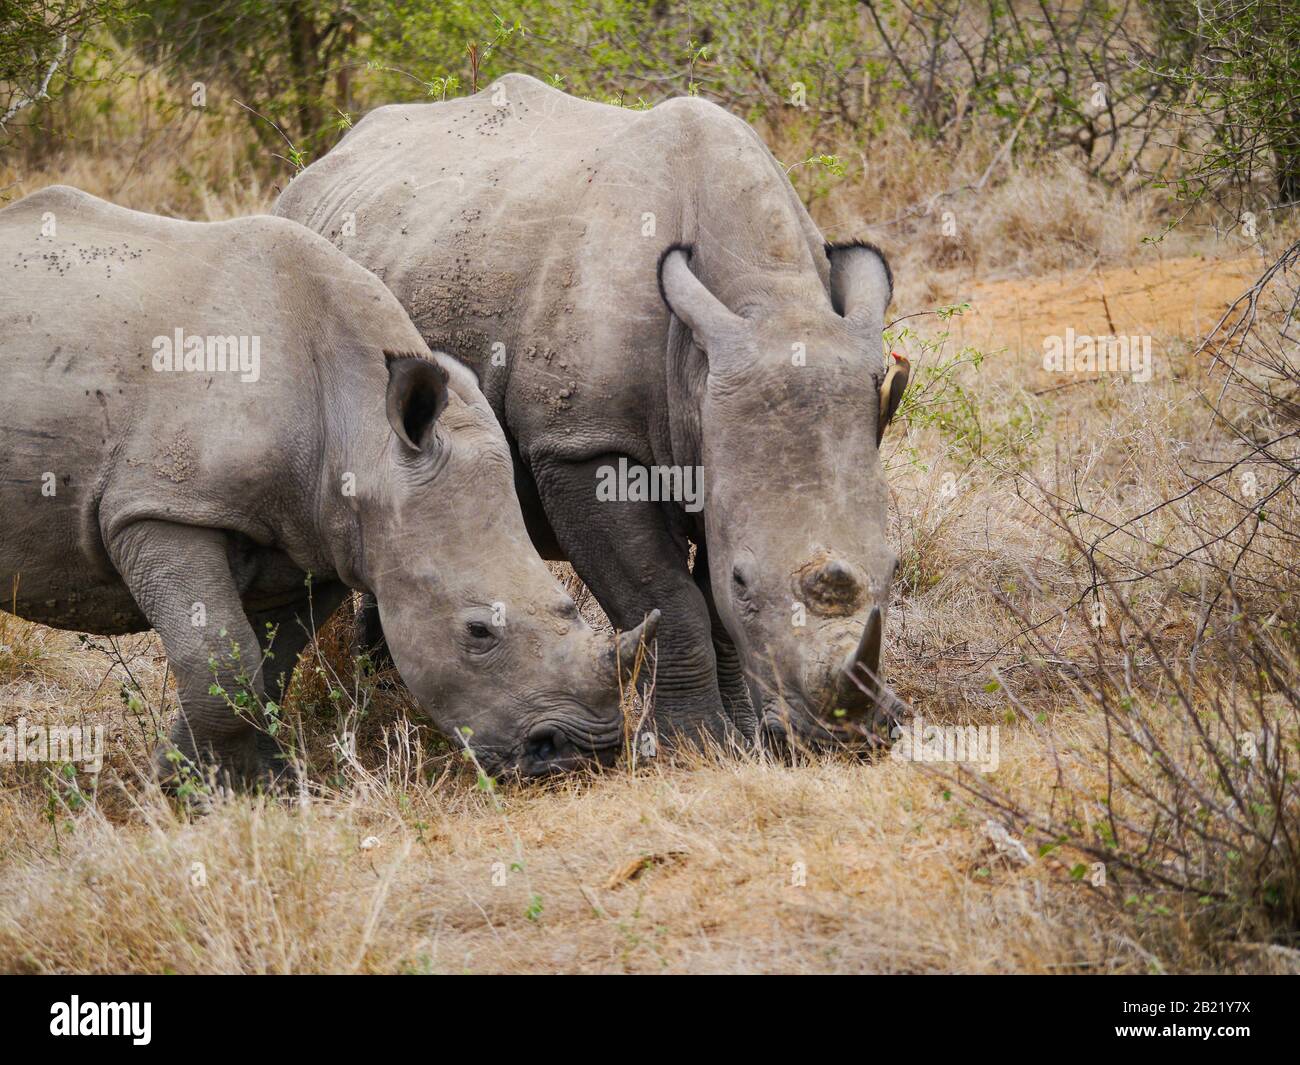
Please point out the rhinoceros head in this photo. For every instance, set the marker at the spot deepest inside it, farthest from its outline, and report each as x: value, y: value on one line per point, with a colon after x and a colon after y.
x: 479, y: 630
x: 791, y: 399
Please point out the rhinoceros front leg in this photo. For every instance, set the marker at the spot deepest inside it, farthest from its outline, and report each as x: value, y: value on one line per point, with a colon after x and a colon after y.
x: 180, y: 578
x: 283, y: 634
x: 294, y: 627
x: 626, y: 555
x: 731, y: 674
x: 368, y: 633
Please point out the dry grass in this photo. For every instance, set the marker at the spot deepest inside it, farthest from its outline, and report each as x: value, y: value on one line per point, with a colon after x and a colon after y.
x: 384, y: 877
x: 399, y: 861
x: 137, y: 141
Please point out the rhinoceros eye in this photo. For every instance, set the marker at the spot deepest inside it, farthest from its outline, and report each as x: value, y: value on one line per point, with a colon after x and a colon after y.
x: 740, y: 581
x: 480, y: 637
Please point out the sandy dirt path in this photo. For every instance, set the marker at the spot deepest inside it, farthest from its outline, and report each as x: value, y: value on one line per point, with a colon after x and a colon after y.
x: 1167, y: 300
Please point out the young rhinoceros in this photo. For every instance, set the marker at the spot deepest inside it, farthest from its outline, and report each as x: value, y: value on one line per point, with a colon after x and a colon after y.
x: 648, y: 306
x: 195, y: 417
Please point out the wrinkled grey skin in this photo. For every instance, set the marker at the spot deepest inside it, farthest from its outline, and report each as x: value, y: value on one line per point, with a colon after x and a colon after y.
x: 529, y: 224
x: 172, y: 489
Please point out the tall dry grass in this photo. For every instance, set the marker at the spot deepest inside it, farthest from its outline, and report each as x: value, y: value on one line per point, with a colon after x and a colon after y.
x: 136, y: 138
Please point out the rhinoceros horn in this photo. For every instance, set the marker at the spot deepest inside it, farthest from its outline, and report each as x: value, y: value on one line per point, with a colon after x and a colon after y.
x: 861, y: 694
x: 859, y: 678
x: 629, y: 641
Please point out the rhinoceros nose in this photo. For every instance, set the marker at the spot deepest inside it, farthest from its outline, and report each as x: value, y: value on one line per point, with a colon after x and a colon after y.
x: 834, y: 585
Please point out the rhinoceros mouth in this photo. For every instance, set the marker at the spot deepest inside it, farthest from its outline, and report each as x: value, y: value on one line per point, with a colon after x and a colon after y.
x: 562, y: 745
x: 552, y: 745
x: 790, y: 723
x: 785, y: 725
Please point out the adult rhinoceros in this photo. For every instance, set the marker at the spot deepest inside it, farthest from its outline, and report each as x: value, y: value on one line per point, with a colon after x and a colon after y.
x: 196, y: 416
x: 543, y: 241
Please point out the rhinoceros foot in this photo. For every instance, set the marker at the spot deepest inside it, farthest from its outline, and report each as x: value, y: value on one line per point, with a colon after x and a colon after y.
x: 253, y: 762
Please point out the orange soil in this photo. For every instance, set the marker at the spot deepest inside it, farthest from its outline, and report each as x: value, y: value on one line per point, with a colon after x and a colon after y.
x: 1167, y: 299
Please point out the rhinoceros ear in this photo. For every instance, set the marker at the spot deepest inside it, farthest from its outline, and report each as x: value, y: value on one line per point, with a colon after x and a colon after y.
x: 706, y: 316
x: 417, y: 393
x: 861, y: 282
